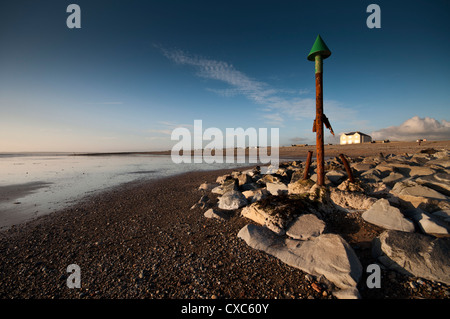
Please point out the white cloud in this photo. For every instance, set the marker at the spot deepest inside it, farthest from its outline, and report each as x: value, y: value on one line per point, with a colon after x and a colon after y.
x: 257, y: 91
x: 415, y: 128
x: 273, y: 119
x: 277, y: 104
x: 105, y: 103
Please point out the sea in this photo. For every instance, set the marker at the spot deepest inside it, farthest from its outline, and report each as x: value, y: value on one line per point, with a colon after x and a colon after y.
x: 35, y: 184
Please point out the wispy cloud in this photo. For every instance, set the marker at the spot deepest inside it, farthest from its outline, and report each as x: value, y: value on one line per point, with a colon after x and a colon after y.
x: 276, y: 105
x: 104, y: 103
x: 415, y: 128
x: 166, y: 127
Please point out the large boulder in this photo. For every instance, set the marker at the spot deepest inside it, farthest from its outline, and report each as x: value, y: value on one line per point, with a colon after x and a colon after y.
x: 232, y: 200
x: 227, y: 186
x: 384, y: 215
x: 414, y: 254
x: 328, y: 255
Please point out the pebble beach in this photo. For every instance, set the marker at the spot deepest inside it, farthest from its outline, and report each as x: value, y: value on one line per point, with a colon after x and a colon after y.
x: 145, y: 240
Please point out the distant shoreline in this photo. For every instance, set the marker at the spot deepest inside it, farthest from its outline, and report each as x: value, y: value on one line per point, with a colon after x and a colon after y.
x: 364, y: 149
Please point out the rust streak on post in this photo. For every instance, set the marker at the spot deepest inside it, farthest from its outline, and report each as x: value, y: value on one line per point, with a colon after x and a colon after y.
x: 347, y: 168
x: 308, y: 163
x: 319, y: 130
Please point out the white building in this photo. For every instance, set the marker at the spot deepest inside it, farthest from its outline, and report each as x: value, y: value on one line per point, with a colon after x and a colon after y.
x: 355, y: 138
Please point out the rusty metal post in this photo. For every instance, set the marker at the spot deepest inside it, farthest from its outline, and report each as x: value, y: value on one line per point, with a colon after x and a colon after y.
x: 308, y: 163
x: 318, y: 53
x: 347, y: 168
x: 319, y: 123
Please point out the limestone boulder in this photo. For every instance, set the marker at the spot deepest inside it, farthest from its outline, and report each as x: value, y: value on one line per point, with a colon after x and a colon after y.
x: 328, y: 255
x: 232, y: 200
x: 414, y: 254
x: 386, y: 216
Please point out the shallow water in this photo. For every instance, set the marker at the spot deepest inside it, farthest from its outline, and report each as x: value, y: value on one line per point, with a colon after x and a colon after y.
x: 35, y: 185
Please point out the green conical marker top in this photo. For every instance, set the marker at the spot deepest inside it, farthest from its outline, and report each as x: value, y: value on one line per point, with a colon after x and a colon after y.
x: 319, y: 48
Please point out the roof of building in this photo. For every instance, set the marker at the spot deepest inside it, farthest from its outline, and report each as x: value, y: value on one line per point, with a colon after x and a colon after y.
x: 353, y: 133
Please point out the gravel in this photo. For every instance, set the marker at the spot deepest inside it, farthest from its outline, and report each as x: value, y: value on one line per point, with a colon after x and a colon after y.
x: 142, y: 240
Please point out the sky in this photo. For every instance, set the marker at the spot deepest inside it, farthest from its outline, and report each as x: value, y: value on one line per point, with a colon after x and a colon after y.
x: 136, y: 70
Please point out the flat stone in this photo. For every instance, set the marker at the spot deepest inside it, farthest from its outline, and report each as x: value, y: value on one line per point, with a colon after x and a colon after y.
x: 277, y: 188
x: 421, y: 171
x: 439, y: 182
x: 393, y: 178
x: 232, y: 200
x: 429, y: 223
x: 384, y: 215
x: 361, y: 167
x: 416, y: 195
x: 414, y: 254
x: 328, y: 255
x: 305, y: 227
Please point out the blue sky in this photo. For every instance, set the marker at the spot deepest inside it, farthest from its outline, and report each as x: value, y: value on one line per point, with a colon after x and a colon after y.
x: 138, y: 69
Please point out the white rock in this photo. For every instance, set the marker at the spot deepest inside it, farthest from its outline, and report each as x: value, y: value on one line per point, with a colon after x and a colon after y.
x: 414, y: 254
x: 328, y: 255
x: 232, y: 200
x: 384, y: 215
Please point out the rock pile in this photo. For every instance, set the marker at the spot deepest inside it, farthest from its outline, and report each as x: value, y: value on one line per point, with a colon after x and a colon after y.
x: 407, y: 195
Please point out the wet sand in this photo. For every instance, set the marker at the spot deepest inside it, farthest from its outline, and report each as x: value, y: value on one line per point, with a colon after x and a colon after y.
x: 11, y: 192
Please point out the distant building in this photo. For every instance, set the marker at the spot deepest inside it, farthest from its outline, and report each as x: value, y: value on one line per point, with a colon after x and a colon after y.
x: 355, y: 138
